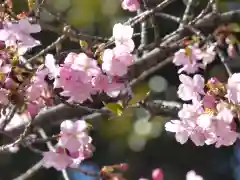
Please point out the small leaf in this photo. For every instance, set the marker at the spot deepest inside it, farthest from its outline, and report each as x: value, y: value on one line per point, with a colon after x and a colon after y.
x: 232, y: 39
x: 196, y: 39
x: 235, y: 27
x: 115, y: 108
x: 140, y: 91
x: 31, y: 4
x: 100, y: 61
x: 83, y: 44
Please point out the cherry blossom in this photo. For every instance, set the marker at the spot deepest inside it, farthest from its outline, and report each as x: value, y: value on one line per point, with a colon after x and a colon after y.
x: 75, y: 77
x: 3, y: 96
x: 191, y: 88
x: 122, y: 35
x: 82, y: 62
x: 73, y: 135
x: 231, y: 50
x: 51, y: 66
x: 57, y: 159
x: 209, y: 101
x: 233, y: 88
x: 191, y: 175
x: 35, y: 90
x: 18, y: 34
x: 74, y: 84
x: 131, y: 5
x: 74, y: 145
x: 209, y: 55
x: 202, y: 127
x: 102, y: 83
x: 116, y: 61
x: 188, y: 58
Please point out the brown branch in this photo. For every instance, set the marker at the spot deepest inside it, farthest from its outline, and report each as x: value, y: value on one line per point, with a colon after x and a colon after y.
x: 30, y: 172
x: 20, y: 138
x: 158, y: 54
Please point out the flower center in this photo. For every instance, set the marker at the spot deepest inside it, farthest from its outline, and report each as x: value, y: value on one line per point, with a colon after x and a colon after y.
x: 188, y: 53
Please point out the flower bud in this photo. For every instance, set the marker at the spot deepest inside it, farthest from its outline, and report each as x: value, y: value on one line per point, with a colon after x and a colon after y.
x: 231, y: 50
x: 10, y: 84
x: 157, y: 174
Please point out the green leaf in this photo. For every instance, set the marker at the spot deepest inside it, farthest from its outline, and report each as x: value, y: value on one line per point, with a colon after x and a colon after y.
x: 115, y: 108
x: 119, y: 126
x: 235, y: 27
x: 83, y: 44
x: 140, y: 91
x: 196, y: 39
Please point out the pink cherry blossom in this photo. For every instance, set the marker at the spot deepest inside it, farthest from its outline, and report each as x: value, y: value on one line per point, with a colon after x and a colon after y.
x: 225, y: 115
x: 36, y: 89
x: 9, y: 83
x: 116, y: 62
x: 83, y: 153
x: 209, y: 101
x: 191, y: 88
x: 203, y: 128
x: 233, y: 88
x: 191, y: 175
x: 131, y: 5
x: 187, y: 126
x: 51, y: 66
x: 122, y: 35
x: 83, y: 63
x: 56, y: 159
x: 231, y: 50
x: 18, y: 34
x: 102, y: 83
x: 226, y: 137
x: 209, y: 55
x: 188, y: 58
x: 75, y: 76
x: 73, y: 135
x: 204, y: 121
x: 190, y: 111
x: 74, y: 84
x: 33, y: 109
x: 3, y: 96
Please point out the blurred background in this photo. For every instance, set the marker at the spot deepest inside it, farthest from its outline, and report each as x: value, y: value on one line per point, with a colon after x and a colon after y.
x: 132, y: 139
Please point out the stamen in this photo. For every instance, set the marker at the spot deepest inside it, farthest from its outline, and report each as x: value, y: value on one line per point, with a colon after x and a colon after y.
x: 188, y: 52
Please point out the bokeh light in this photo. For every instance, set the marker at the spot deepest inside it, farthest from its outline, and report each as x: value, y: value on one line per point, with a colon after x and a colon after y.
x: 158, y: 84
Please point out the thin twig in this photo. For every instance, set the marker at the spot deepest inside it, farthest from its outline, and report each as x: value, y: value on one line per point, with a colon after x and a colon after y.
x: 20, y: 138
x: 30, y: 172
x: 51, y: 148
x: 186, y: 15
x: 50, y: 47
x: 143, y: 30
x: 9, y: 117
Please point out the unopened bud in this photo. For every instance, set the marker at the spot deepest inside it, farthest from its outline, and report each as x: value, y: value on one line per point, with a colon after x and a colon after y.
x: 124, y: 166
x: 231, y: 50
x: 67, y: 29
x: 157, y: 174
x: 10, y: 84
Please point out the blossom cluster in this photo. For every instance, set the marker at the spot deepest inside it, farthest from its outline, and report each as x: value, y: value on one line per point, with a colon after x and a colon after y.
x: 16, y: 40
x: 192, y: 58
x: 210, y: 117
x: 74, y: 145
x: 81, y: 76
